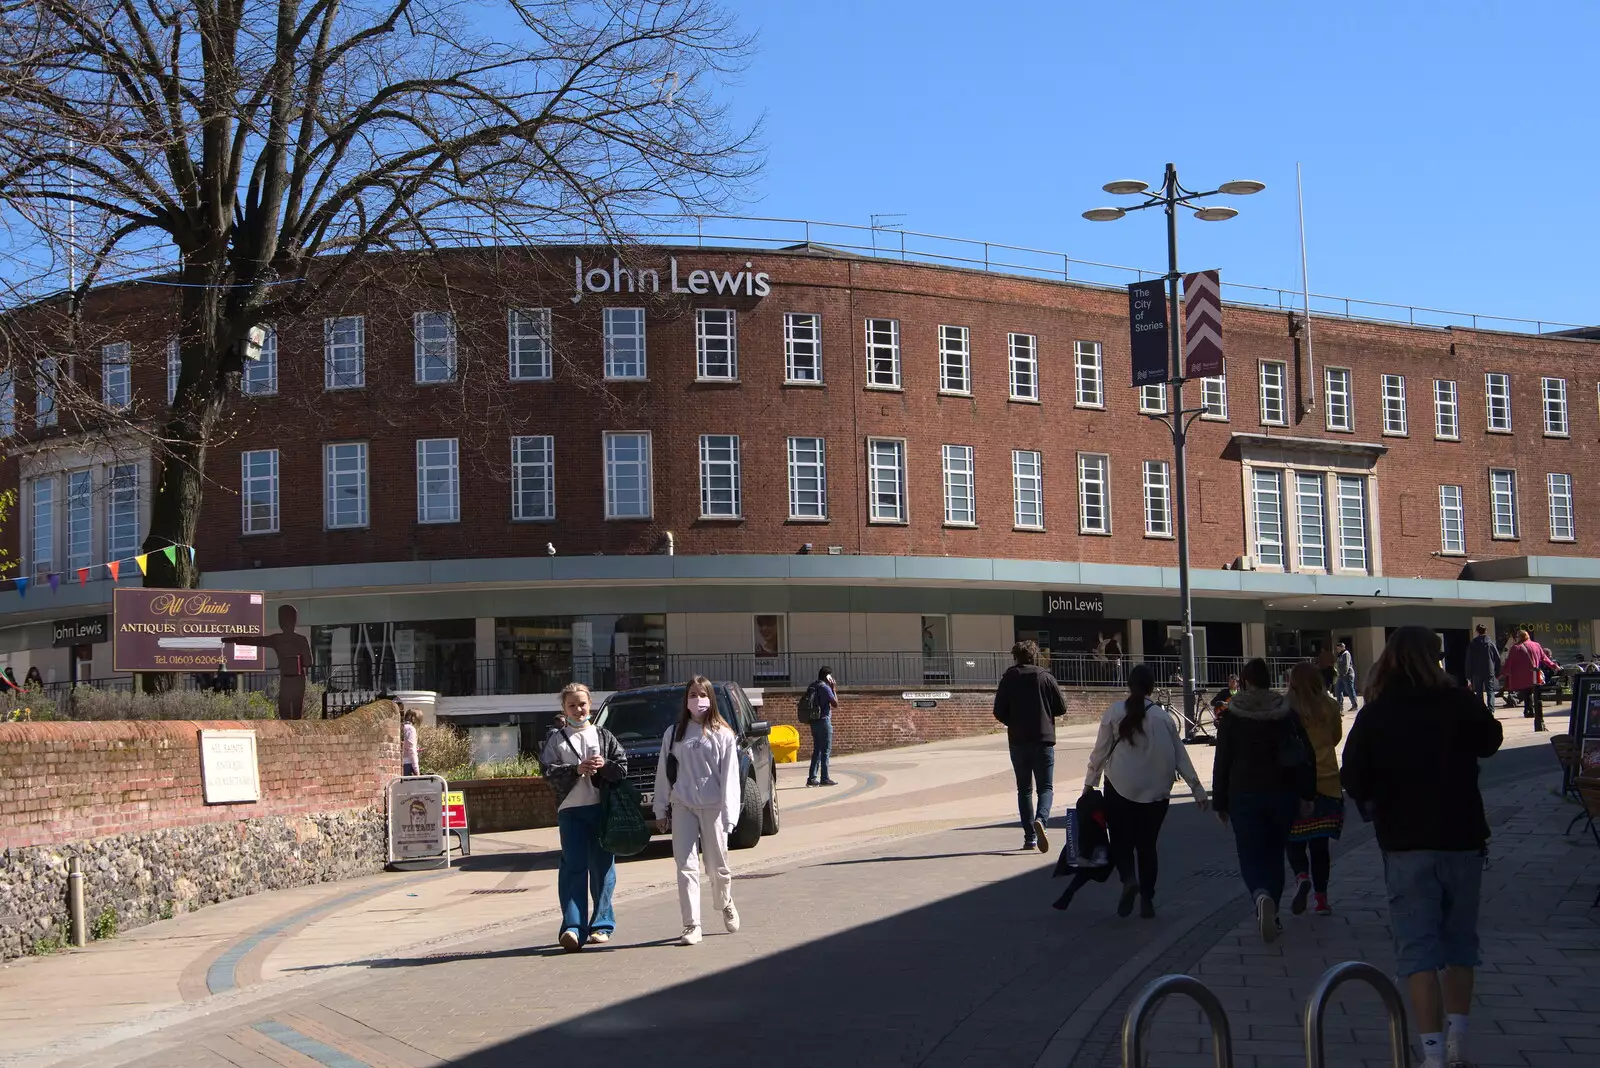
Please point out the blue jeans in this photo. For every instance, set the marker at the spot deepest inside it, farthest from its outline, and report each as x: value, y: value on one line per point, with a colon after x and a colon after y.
x: 1035, y: 767
x: 586, y: 871
x: 1261, y: 822
x: 821, y: 748
x: 1433, y: 908
x: 1345, y: 686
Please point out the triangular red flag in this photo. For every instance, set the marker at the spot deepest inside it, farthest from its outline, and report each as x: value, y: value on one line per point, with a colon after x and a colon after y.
x: 114, y: 567
x: 83, y: 576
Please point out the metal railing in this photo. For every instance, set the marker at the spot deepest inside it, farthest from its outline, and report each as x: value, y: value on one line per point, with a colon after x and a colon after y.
x: 1337, y: 976
x: 1144, y: 1003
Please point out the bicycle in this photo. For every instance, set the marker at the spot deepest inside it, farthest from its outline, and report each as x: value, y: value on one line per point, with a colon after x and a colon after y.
x: 1202, y: 728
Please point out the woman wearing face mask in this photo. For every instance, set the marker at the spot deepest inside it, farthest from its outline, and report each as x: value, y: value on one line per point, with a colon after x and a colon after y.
x: 574, y: 754
x: 697, y: 797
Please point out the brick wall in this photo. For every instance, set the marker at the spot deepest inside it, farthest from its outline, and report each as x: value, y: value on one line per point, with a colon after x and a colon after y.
x: 507, y: 804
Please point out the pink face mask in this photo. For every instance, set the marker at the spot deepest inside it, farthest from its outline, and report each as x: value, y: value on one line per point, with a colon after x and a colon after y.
x: 699, y: 706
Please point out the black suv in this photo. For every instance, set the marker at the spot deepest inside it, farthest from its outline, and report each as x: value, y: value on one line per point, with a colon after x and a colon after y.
x: 639, y: 718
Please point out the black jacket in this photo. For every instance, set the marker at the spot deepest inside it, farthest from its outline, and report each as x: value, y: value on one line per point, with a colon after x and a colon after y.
x: 563, y: 777
x: 1411, y: 762
x: 1028, y: 701
x: 1251, y: 738
x: 1483, y: 659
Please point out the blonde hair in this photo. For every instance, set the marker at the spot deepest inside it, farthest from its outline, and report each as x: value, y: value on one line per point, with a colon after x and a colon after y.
x: 1523, y: 635
x: 571, y: 688
x: 1308, y: 695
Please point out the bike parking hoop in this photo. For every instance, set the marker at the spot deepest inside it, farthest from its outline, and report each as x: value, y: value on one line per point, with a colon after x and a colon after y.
x: 1337, y: 976
x: 1145, y: 1002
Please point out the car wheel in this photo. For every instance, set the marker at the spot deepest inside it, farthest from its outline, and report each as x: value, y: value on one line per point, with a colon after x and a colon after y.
x: 747, y: 832
x: 769, y: 814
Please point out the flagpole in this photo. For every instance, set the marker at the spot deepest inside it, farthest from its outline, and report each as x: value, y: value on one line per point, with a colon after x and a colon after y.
x: 1305, y: 291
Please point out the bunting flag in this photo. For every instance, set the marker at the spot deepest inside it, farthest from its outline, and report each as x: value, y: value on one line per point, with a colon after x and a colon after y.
x: 115, y: 567
x: 191, y: 554
x: 22, y: 586
x: 55, y: 582
x: 83, y: 576
x: 171, y: 553
x: 142, y: 559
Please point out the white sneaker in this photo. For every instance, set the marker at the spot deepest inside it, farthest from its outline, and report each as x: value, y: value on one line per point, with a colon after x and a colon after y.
x: 570, y: 942
x: 730, y: 918
x: 598, y: 938
x: 1267, y: 918
x: 691, y: 936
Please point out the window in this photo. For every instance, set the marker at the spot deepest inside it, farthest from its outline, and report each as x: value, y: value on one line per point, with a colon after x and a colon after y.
x: 122, y: 512
x: 1394, y: 404
x: 261, y: 374
x: 258, y: 491
x: 528, y: 344
x: 174, y: 369
x: 624, y: 342
x: 719, y: 476
x: 1337, y: 399
x: 716, y: 341
x: 1094, y: 506
x: 42, y: 545
x: 344, y: 352
x: 1157, y: 499
x: 1555, y: 406
x: 883, y: 353
x: 44, y: 397
x: 1153, y: 399
x: 116, y: 375
x: 1267, y: 492
x: 1214, y: 397
x: 80, y: 519
x: 1024, y: 366
x: 1497, y: 400
x: 802, y: 347
x: 1561, y: 524
x: 1446, y: 413
x: 8, y: 404
x: 1503, y: 502
x: 1272, y: 393
x: 628, y: 488
x: 955, y: 360
x: 886, y: 480
x: 435, y: 346
x: 808, y: 479
x: 345, y: 476
x: 1091, y: 382
x: 533, y: 477
x: 1352, y: 522
x: 1452, y: 521
x: 960, y: 492
x: 1027, y: 483
x: 1310, y: 525
x: 438, y: 481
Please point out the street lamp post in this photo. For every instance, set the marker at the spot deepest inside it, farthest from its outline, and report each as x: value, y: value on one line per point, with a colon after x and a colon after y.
x: 1170, y: 197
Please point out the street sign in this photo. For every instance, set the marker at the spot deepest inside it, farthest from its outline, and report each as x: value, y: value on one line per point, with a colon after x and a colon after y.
x: 186, y: 630
x: 1147, y: 332
x: 1202, y: 324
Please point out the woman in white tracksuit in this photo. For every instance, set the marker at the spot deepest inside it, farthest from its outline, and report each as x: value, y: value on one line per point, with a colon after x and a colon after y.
x: 697, y: 798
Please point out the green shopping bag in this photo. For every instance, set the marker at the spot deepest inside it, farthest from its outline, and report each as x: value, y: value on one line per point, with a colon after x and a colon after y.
x: 622, y: 827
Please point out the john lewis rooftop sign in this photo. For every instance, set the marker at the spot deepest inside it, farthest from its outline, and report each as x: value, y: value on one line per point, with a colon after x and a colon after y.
x: 619, y: 279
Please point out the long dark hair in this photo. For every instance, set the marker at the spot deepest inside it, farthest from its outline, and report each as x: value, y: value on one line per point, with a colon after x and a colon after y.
x: 1141, y: 684
x: 1409, y: 662
x: 713, y: 720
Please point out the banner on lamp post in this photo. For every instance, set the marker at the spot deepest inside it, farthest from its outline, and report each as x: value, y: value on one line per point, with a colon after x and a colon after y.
x: 1147, y: 332
x: 1202, y: 324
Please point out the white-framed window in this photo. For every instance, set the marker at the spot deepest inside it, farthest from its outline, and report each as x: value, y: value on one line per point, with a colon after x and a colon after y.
x: 1497, y: 401
x: 80, y: 519
x: 720, y: 496
x: 802, y: 347
x: 886, y: 480
x: 1089, y: 374
x: 8, y: 404
x: 1452, y: 521
x: 174, y: 369
x: 1027, y: 486
x: 258, y: 491
x: 1214, y: 397
x: 1336, y: 399
x: 438, y: 480
x: 955, y: 359
x: 1352, y: 491
x: 1094, y: 493
x: 116, y: 375
x: 435, y: 346
x: 42, y: 526
x: 1446, y: 411
x: 344, y: 473
x: 344, y: 352
x: 883, y: 353
x: 716, y: 343
x: 1024, y: 349
x: 629, y: 490
x: 1562, y: 527
x: 45, y: 412
x: 1157, y: 499
x: 1153, y: 399
x: 533, y: 477
x: 1394, y: 404
x: 960, y: 487
x: 1266, y: 492
x: 624, y: 342
x: 1503, y: 501
x: 528, y: 334
x: 808, y: 478
x: 261, y: 373
x: 1273, y: 403
x: 1555, y: 406
x: 1311, y: 524
x: 122, y: 512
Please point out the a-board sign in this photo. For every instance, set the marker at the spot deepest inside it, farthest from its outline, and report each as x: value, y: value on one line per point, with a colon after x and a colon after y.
x: 185, y: 630
x: 1585, y: 723
x: 455, y: 810
x: 229, y: 770
x: 416, y: 818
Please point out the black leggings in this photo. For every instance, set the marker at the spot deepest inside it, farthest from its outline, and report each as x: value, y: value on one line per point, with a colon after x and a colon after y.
x: 1319, y: 868
x: 1134, y: 828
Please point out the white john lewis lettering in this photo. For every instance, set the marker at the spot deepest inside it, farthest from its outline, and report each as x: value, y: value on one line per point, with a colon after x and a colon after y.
x: 619, y: 279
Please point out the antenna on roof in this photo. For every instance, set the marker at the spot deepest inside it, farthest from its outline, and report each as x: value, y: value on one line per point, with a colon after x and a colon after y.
x: 894, y: 220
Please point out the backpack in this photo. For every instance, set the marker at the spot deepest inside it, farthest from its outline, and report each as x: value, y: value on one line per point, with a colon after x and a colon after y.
x: 809, y: 708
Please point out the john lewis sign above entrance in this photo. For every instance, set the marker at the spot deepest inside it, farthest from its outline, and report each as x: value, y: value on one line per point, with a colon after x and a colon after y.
x: 1080, y: 605
x: 619, y: 279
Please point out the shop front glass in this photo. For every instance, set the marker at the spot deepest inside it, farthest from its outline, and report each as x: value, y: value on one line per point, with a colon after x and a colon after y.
x: 1079, y: 652
x: 437, y: 654
x: 541, y: 654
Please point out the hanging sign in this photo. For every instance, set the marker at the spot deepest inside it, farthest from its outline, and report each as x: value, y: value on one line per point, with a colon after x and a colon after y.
x: 1202, y: 324
x: 1147, y: 332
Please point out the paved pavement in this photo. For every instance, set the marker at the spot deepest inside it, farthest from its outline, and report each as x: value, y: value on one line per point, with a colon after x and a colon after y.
x: 891, y: 923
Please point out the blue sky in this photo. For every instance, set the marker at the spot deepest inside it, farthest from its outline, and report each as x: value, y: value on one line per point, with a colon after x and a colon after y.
x: 1444, y: 145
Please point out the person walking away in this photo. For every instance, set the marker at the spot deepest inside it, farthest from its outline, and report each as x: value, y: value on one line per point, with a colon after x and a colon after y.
x: 1411, y: 766
x: 1309, y: 836
x: 1483, y: 666
x: 697, y: 799
x: 1114, y: 654
x: 1139, y: 752
x: 575, y: 753
x: 410, y: 758
x: 1262, y: 778
x: 1344, y: 676
x: 1028, y: 701
x: 1524, y: 669
x: 823, y: 694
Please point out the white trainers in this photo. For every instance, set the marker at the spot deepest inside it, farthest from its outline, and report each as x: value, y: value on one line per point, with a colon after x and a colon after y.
x: 599, y: 938
x: 730, y: 918
x: 691, y: 936
x: 1267, y: 918
x: 570, y: 942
